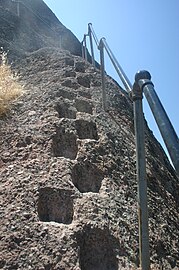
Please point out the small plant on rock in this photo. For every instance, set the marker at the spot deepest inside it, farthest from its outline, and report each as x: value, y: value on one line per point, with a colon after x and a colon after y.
x: 10, y: 89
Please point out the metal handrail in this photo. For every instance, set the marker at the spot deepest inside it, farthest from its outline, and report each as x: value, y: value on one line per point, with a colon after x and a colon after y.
x: 127, y: 84
x: 84, y: 48
x: 142, y: 85
x: 166, y: 129
x: 91, y: 33
x: 101, y: 48
x: 170, y: 138
x: 144, y: 254
x: 90, y: 29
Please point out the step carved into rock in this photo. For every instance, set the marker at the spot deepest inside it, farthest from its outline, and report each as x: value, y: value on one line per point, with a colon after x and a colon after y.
x: 87, y: 177
x: 86, y: 129
x: 83, y: 105
x: 64, y: 144
x: 55, y: 205
x: 65, y: 110
x: 97, y: 250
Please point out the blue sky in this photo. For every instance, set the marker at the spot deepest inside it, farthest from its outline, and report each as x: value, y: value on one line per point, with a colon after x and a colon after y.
x: 143, y: 34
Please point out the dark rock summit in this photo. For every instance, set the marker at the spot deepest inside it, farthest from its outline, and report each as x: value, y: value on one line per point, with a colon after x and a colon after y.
x: 68, y: 191
x: 34, y: 28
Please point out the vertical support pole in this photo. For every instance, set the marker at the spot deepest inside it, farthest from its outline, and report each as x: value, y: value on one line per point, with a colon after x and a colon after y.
x: 141, y: 178
x: 91, y: 45
x: 82, y: 49
x: 101, y: 48
x: 143, y: 78
x: 85, y: 49
x: 18, y: 8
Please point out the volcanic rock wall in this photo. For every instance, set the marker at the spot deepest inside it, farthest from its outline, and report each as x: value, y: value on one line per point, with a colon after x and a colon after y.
x: 35, y: 28
x: 68, y: 181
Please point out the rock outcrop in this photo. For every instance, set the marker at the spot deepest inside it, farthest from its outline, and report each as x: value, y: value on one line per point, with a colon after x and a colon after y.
x: 68, y: 174
x: 36, y: 27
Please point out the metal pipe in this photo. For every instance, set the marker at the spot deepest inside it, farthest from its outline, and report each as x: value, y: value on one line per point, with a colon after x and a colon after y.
x: 85, y: 49
x: 101, y: 48
x: 18, y: 7
x: 118, y: 68
x: 82, y: 49
x: 141, y: 178
x: 91, y: 45
x: 93, y: 33
x: 143, y: 78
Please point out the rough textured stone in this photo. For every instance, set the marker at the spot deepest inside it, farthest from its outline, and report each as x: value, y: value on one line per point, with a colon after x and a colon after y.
x: 65, y: 110
x: 97, y: 250
x: 80, y: 67
x: 64, y: 143
x: 45, y: 28
x: 86, y: 129
x: 84, y: 81
x: 68, y: 177
x: 87, y: 177
x: 83, y: 105
x: 55, y: 205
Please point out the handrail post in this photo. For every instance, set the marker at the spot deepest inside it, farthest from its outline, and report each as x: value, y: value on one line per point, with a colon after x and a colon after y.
x: 18, y: 6
x: 82, y: 49
x: 137, y: 96
x: 18, y: 9
x: 91, y: 45
x: 101, y: 48
x: 93, y: 34
x: 143, y: 78
x: 86, y: 58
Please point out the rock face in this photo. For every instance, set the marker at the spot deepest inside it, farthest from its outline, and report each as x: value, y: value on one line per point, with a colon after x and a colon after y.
x: 36, y: 27
x: 68, y: 179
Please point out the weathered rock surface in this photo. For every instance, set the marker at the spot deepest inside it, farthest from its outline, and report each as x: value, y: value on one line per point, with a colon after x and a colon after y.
x: 36, y: 27
x: 68, y: 191
x: 68, y: 181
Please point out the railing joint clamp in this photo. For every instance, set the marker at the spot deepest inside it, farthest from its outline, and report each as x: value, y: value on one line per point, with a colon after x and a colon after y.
x: 143, y: 82
x: 136, y: 92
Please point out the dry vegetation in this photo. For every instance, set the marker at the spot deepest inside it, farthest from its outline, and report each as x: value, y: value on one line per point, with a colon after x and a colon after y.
x: 10, y: 89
